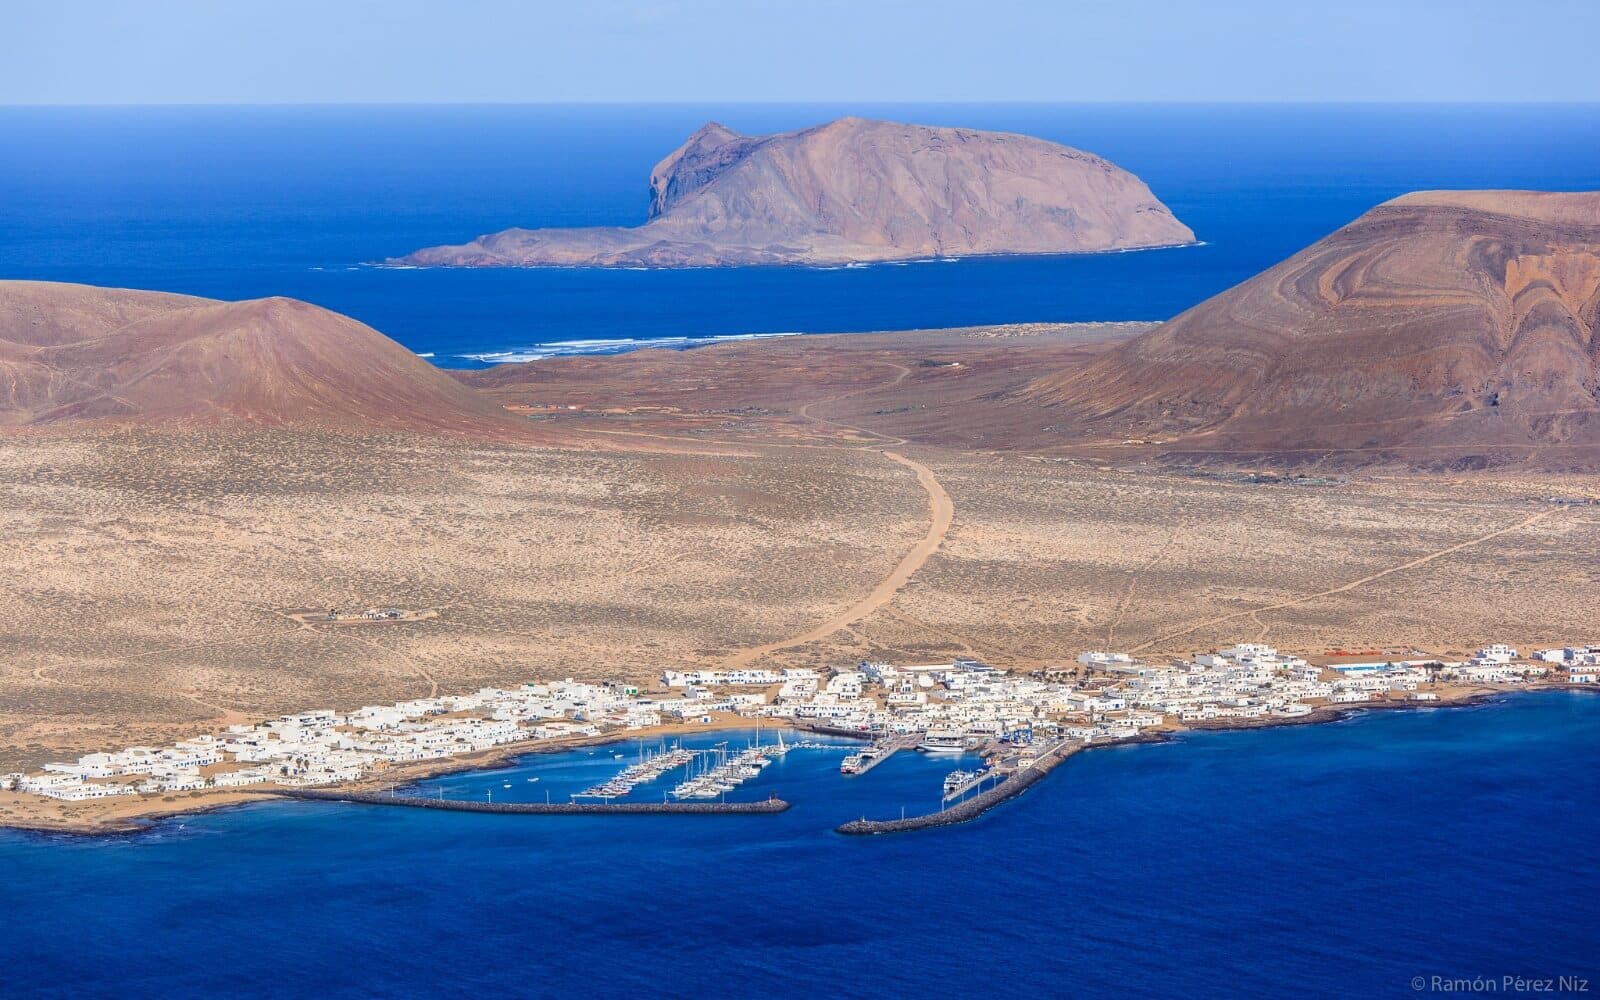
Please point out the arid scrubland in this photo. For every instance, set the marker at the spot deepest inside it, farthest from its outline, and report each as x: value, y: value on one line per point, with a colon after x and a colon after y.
x: 693, y: 507
x: 149, y: 575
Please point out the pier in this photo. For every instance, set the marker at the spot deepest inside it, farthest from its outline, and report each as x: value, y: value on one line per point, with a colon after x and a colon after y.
x: 763, y: 807
x: 882, y: 750
x: 978, y: 780
x: 649, y: 768
x: 1009, y: 786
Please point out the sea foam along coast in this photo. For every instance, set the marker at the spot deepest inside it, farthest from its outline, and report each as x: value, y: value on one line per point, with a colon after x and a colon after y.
x: 849, y: 191
x: 619, y: 345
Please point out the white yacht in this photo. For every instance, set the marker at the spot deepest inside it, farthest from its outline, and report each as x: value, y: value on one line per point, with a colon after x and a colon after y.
x: 943, y: 741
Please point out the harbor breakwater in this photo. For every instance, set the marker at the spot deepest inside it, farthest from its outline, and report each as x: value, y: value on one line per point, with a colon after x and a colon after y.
x: 970, y: 809
x: 763, y: 807
x: 1010, y: 787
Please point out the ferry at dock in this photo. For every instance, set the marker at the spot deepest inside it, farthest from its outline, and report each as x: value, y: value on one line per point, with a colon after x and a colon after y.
x: 958, y: 783
x: 943, y: 741
x: 956, y: 780
x: 860, y: 761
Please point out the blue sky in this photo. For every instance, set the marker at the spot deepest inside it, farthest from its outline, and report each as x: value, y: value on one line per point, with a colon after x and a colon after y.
x: 297, y: 51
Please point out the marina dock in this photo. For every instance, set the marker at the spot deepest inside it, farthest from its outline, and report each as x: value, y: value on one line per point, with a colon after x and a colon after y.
x: 861, y: 762
x: 647, y: 769
x: 763, y: 807
x: 977, y: 779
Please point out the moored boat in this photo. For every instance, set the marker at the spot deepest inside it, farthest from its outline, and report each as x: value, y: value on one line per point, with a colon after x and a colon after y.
x: 956, y: 780
x: 943, y: 741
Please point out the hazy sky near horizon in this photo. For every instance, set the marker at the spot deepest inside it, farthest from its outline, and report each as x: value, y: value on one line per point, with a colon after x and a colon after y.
x: 331, y: 51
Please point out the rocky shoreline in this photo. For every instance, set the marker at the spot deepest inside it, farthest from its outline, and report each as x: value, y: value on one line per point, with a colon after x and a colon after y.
x: 849, y: 192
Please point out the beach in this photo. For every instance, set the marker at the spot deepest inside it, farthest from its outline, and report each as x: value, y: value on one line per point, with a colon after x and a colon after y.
x: 122, y: 816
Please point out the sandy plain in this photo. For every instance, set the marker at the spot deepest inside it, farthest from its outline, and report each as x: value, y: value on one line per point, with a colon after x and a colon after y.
x: 728, y: 504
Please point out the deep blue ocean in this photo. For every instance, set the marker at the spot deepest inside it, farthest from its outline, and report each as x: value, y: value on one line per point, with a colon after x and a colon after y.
x: 245, y: 202
x: 1332, y: 860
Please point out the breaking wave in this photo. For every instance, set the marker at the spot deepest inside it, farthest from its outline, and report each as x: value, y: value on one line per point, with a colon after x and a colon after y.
x: 567, y: 348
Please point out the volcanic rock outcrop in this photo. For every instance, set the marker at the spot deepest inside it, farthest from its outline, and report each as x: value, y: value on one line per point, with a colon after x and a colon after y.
x: 1444, y: 328
x: 849, y: 191
x: 77, y: 352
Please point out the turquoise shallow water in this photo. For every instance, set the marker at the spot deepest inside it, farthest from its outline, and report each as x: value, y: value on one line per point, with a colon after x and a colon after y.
x: 1341, y: 859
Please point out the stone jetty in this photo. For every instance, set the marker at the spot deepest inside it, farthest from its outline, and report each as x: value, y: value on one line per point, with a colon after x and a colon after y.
x: 763, y: 807
x: 1009, y: 787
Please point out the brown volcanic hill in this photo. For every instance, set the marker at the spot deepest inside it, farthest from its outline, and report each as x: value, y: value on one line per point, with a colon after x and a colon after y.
x: 76, y: 352
x: 1440, y: 328
x: 854, y: 190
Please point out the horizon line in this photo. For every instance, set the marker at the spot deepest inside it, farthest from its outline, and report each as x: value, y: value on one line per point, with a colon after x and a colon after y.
x: 813, y: 102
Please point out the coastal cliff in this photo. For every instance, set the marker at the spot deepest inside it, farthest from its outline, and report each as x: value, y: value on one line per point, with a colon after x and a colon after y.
x: 850, y: 191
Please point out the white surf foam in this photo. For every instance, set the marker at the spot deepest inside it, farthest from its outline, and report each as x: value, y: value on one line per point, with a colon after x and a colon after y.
x: 568, y: 348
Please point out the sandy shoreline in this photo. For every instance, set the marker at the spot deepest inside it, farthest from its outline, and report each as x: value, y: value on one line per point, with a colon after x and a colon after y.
x: 31, y: 813
x: 22, y: 811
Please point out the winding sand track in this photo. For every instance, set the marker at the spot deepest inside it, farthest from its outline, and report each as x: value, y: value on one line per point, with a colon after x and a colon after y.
x: 941, y: 512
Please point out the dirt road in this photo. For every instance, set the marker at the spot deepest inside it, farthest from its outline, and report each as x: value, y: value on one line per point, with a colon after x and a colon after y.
x: 1352, y: 585
x: 941, y: 512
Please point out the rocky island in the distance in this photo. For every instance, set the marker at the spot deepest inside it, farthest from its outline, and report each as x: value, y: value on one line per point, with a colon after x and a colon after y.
x: 850, y: 191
